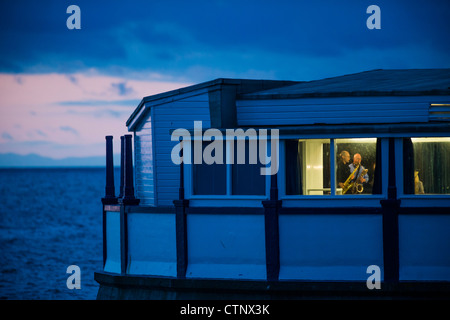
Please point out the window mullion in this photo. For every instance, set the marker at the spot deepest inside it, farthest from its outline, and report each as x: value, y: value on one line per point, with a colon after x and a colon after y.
x: 332, y: 167
x: 228, y: 162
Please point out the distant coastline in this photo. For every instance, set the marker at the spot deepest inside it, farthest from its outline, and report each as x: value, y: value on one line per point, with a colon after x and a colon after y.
x: 12, y: 160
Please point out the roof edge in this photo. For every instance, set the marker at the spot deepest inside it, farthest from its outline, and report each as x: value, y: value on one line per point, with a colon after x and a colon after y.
x: 339, y: 94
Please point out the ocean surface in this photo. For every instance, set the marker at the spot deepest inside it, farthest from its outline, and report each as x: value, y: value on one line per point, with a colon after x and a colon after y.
x: 50, y: 219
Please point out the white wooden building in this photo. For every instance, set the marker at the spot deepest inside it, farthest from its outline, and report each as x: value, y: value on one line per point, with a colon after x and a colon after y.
x: 225, y: 230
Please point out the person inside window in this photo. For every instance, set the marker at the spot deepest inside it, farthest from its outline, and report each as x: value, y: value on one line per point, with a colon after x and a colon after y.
x: 343, y: 170
x: 418, y: 185
x: 360, y: 176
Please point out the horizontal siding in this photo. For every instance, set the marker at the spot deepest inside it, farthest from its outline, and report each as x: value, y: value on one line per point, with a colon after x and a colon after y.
x: 440, y: 112
x: 163, y: 181
x: 332, y: 120
x: 144, y: 171
x: 333, y: 110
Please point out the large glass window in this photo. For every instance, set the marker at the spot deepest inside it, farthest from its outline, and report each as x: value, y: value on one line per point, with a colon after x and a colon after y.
x: 246, y: 175
x: 209, y: 179
x: 307, y: 164
x: 240, y: 177
x: 356, y: 163
x: 426, y: 165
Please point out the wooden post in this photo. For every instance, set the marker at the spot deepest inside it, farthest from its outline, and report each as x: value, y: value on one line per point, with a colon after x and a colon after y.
x: 390, y: 208
x: 271, y: 208
x: 181, y: 225
x: 128, y: 198
x: 123, y: 240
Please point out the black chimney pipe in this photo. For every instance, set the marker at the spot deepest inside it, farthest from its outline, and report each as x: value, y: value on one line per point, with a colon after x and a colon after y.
x: 110, y: 197
x: 122, y: 165
x: 128, y: 187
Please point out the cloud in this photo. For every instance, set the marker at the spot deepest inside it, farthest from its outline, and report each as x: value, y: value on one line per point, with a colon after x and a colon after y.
x: 6, y: 136
x: 69, y: 129
x: 72, y: 78
x: 141, y: 37
x: 41, y: 133
x: 53, y: 115
x: 89, y: 81
x: 100, y: 103
x: 122, y: 89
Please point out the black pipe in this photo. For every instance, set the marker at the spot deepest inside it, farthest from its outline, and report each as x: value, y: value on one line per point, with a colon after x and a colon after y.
x: 128, y: 188
x: 110, y: 197
x: 122, y: 165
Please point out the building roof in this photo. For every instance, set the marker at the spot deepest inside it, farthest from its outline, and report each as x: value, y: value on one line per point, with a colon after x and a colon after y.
x: 242, y: 86
x: 369, y: 83
x: 223, y: 93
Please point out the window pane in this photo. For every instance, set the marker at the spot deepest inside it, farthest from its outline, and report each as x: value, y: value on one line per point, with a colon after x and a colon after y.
x: 246, y: 177
x: 355, y: 166
x: 209, y: 179
x: 307, y: 167
x: 427, y: 165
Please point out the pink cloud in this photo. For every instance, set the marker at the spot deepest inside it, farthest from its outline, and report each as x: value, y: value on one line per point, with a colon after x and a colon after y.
x: 32, y: 109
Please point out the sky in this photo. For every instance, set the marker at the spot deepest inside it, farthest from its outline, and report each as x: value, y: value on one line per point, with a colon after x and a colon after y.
x: 63, y: 90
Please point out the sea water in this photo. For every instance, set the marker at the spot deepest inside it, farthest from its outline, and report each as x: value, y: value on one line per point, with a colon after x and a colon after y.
x: 50, y: 219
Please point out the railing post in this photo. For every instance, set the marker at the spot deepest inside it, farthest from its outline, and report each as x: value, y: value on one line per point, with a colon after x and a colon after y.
x: 127, y: 196
x: 390, y: 209
x: 271, y: 208
x: 181, y: 225
x: 110, y: 197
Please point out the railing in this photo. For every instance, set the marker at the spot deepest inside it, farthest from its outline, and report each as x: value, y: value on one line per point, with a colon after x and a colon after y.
x: 170, y: 226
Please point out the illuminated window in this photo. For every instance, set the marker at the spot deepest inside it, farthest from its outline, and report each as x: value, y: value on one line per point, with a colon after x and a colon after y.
x: 426, y: 165
x: 308, y: 165
x: 356, y: 161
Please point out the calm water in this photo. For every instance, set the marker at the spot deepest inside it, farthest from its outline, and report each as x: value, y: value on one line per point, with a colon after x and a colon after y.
x: 50, y: 219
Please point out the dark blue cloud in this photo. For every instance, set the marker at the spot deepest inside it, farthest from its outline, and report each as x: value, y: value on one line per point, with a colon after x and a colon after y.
x: 177, y: 38
x: 121, y: 88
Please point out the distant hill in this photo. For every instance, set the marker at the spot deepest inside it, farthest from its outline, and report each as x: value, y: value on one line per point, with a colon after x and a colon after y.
x: 12, y: 160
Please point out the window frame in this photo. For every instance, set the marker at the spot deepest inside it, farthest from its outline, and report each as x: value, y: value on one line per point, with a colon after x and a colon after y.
x: 416, y: 200
x: 189, y: 182
x: 334, y: 200
x: 360, y: 200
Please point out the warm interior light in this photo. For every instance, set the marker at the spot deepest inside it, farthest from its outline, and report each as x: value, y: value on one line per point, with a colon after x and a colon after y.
x: 357, y: 140
x: 431, y: 139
